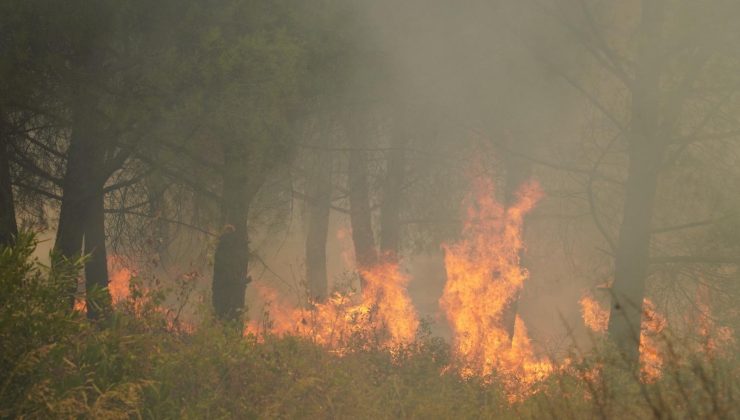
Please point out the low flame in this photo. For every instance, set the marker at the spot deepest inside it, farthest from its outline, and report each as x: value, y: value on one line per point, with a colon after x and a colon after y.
x: 119, y: 279
x: 384, y: 310
x: 484, y: 276
x: 596, y: 318
x: 714, y: 340
x: 594, y: 315
x: 651, y: 355
x: 118, y: 283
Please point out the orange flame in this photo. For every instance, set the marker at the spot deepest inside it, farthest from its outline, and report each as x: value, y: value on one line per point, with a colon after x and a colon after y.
x: 119, y: 279
x: 484, y: 275
x: 715, y: 340
x: 118, y: 283
x: 384, y: 310
x: 594, y: 315
x: 596, y: 318
x: 651, y: 355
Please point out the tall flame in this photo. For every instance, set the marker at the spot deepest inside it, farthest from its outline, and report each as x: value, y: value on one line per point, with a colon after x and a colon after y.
x: 484, y: 275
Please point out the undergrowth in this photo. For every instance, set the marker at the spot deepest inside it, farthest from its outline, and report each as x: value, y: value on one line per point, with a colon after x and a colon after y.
x: 54, y: 363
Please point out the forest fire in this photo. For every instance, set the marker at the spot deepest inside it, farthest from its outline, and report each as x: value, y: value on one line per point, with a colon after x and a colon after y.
x: 120, y: 278
x: 594, y: 315
x: 714, y: 340
x: 383, y: 311
x: 484, y: 276
x: 596, y: 318
x: 118, y: 283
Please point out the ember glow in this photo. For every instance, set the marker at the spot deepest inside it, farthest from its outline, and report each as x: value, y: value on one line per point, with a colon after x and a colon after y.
x: 651, y: 354
x: 484, y: 275
x: 383, y: 311
x: 714, y: 340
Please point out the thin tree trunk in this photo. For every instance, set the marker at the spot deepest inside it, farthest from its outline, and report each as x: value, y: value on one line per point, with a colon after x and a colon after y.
x: 96, y: 268
x: 8, y: 226
x: 318, y: 227
x: 390, y: 210
x: 231, y: 260
x: 646, y: 149
x: 360, y: 214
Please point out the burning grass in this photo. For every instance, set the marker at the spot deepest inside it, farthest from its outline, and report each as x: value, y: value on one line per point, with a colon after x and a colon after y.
x: 54, y: 363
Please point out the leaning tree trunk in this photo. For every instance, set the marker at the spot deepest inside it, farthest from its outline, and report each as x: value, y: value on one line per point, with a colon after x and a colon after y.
x: 319, y: 205
x: 360, y: 213
x: 518, y: 171
x: 646, y: 148
x: 231, y: 259
x: 8, y: 226
x: 390, y: 210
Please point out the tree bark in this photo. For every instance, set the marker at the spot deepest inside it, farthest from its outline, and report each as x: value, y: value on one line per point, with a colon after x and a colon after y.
x: 360, y: 213
x: 646, y: 148
x: 390, y: 210
x: 231, y: 260
x: 96, y: 268
x: 8, y: 226
x: 319, y: 207
x: 81, y: 215
x: 75, y: 200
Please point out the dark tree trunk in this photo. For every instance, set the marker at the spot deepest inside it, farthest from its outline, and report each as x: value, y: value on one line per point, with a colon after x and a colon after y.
x: 231, y: 260
x: 96, y: 268
x: 646, y: 149
x: 319, y: 206
x: 518, y: 171
x: 81, y: 215
x: 8, y: 226
x: 360, y: 213
x: 77, y: 192
x: 390, y: 210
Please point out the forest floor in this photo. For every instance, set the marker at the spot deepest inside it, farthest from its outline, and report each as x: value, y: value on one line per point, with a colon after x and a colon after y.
x: 140, y: 363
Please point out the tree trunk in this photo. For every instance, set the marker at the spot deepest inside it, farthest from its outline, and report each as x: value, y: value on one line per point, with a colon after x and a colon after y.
x: 75, y: 201
x: 231, y: 260
x: 96, y: 268
x: 390, y: 210
x: 8, y: 226
x: 646, y: 148
x: 518, y: 171
x: 81, y: 215
x: 360, y: 214
x: 319, y: 206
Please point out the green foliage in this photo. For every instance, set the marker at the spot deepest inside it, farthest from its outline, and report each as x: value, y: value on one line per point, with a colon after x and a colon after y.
x: 54, y: 363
